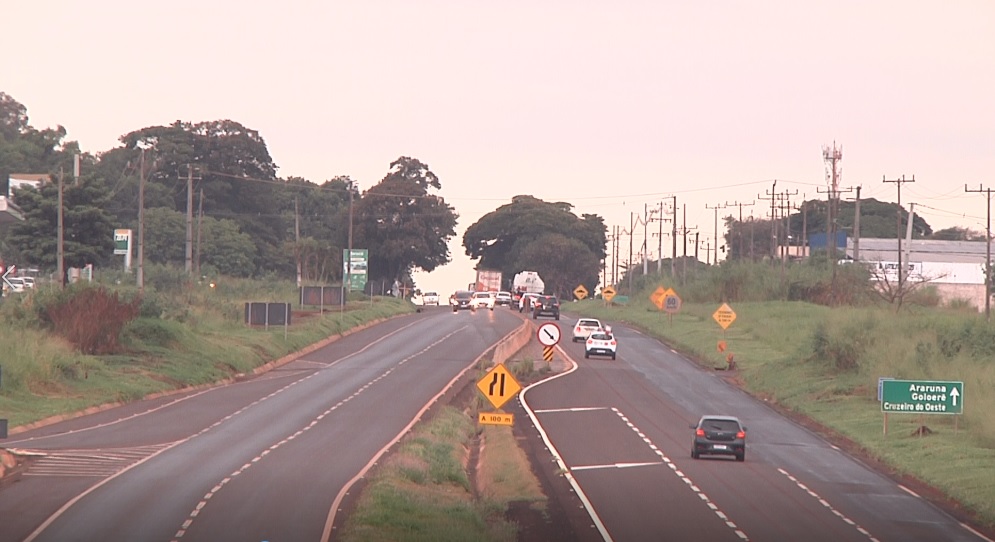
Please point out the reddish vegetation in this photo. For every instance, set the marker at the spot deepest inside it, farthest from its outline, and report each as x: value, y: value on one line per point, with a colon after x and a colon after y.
x: 92, y: 319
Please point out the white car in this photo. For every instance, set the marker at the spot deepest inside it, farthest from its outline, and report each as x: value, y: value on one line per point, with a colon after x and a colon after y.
x: 483, y: 300
x: 600, y: 343
x: 430, y: 298
x: 503, y: 298
x: 29, y: 282
x: 584, y: 327
x: 16, y: 285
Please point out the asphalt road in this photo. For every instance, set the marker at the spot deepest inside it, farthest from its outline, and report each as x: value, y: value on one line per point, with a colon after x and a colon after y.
x: 619, y: 431
x: 269, y: 458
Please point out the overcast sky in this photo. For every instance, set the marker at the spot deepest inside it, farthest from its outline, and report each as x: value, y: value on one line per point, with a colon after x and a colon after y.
x: 613, y: 107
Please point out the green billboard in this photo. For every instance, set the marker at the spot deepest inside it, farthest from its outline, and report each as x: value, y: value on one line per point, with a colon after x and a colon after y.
x: 355, y: 264
x: 922, y: 396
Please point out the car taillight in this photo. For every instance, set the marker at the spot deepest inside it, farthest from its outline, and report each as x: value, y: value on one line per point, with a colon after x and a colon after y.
x: 613, y: 342
x: 699, y: 432
x: 741, y: 435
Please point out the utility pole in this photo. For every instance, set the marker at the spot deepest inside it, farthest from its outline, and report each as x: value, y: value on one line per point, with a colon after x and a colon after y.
x: 189, y: 245
x: 856, y: 227
x: 348, y: 274
x: 200, y: 222
x: 141, y: 223
x: 832, y: 157
x: 628, y: 267
x: 739, y: 230
x: 673, y: 239
x: 988, y: 251
x: 297, y: 237
x: 773, y: 219
x: 715, y: 260
x: 899, y: 183
x: 60, y: 251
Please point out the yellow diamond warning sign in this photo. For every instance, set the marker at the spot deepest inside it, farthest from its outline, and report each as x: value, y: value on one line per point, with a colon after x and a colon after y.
x: 498, y: 385
x: 724, y: 316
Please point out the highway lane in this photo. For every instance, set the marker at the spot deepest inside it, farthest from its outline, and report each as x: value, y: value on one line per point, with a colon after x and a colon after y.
x: 266, y: 458
x: 620, y: 428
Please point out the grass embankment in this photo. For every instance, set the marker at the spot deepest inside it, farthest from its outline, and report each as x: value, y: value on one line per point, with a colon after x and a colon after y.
x: 424, y: 491
x: 193, y: 336
x: 825, y: 363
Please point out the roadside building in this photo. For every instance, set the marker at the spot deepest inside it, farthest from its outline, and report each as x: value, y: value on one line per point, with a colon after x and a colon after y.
x: 955, y: 268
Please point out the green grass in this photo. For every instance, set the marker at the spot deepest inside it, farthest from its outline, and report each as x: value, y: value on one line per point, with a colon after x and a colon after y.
x: 825, y: 363
x: 422, y: 493
x: 195, y: 337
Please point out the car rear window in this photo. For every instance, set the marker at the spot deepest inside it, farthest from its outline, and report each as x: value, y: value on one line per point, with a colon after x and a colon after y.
x: 720, y: 425
x: 589, y: 323
x: 601, y: 336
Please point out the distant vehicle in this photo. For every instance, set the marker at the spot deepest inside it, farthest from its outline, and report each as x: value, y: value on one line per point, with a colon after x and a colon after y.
x: 16, y: 284
x: 600, y: 343
x: 461, y: 300
x: 488, y: 280
x: 527, y: 301
x: 719, y: 435
x: 527, y: 282
x: 483, y: 300
x: 584, y: 327
x: 430, y: 298
x: 546, y: 305
x: 503, y: 298
x: 29, y: 282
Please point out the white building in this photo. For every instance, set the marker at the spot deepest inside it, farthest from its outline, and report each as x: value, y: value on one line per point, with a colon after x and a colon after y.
x: 955, y: 268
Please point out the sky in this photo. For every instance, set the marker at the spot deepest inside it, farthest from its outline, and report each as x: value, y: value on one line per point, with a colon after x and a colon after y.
x: 614, y: 107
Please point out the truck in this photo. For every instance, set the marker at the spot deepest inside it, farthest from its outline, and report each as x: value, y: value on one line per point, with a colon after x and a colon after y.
x: 488, y: 280
x: 527, y: 282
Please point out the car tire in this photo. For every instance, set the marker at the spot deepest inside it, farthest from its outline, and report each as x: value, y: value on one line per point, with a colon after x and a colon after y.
x: 694, y: 454
x: 613, y: 357
x: 587, y: 356
x: 741, y: 456
x: 557, y: 316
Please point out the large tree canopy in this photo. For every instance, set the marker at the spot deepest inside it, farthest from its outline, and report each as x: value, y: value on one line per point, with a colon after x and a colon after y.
x: 403, y: 225
x: 517, y: 236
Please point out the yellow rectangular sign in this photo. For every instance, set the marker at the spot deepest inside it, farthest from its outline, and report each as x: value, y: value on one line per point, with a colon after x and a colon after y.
x: 496, y: 418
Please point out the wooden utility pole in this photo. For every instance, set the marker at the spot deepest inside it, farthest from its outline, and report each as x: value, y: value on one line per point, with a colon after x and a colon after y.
x: 189, y: 242
x: 856, y: 227
x: 988, y: 251
x: 200, y: 222
x: 140, y: 273
x: 899, y: 183
x: 60, y: 250
x: 739, y: 230
x: 715, y: 260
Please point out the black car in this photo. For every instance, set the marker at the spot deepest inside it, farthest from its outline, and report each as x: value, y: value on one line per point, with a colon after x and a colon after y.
x: 461, y: 300
x: 546, y: 305
x: 719, y: 435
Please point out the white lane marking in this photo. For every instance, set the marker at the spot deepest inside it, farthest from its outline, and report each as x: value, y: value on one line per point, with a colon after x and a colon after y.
x: 616, y: 466
x: 828, y: 506
x: 575, y: 409
x: 306, y: 428
x: 687, y: 481
x: 909, y: 491
x: 976, y: 533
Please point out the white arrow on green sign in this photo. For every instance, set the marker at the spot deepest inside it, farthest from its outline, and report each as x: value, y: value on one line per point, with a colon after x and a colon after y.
x: 922, y: 396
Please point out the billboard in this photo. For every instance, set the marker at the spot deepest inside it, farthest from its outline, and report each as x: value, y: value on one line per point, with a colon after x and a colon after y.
x: 355, y: 264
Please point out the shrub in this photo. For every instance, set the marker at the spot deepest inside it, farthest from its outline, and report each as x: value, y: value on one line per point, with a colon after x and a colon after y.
x: 91, y: 318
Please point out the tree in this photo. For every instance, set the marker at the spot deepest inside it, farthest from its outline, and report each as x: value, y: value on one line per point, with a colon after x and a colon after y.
x: 223, y: 246
x: 958, y: 234
x: 234, y: 170
x: 88, y: 230
x: 404, y: 226
x: 503, y: 238
x: 562, y: 262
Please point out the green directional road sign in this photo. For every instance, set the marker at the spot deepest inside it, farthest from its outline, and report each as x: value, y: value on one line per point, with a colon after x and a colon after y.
x: 922, y: 396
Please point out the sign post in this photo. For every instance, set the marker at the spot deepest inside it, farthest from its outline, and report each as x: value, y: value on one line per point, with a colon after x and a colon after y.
x: 921, y: 397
